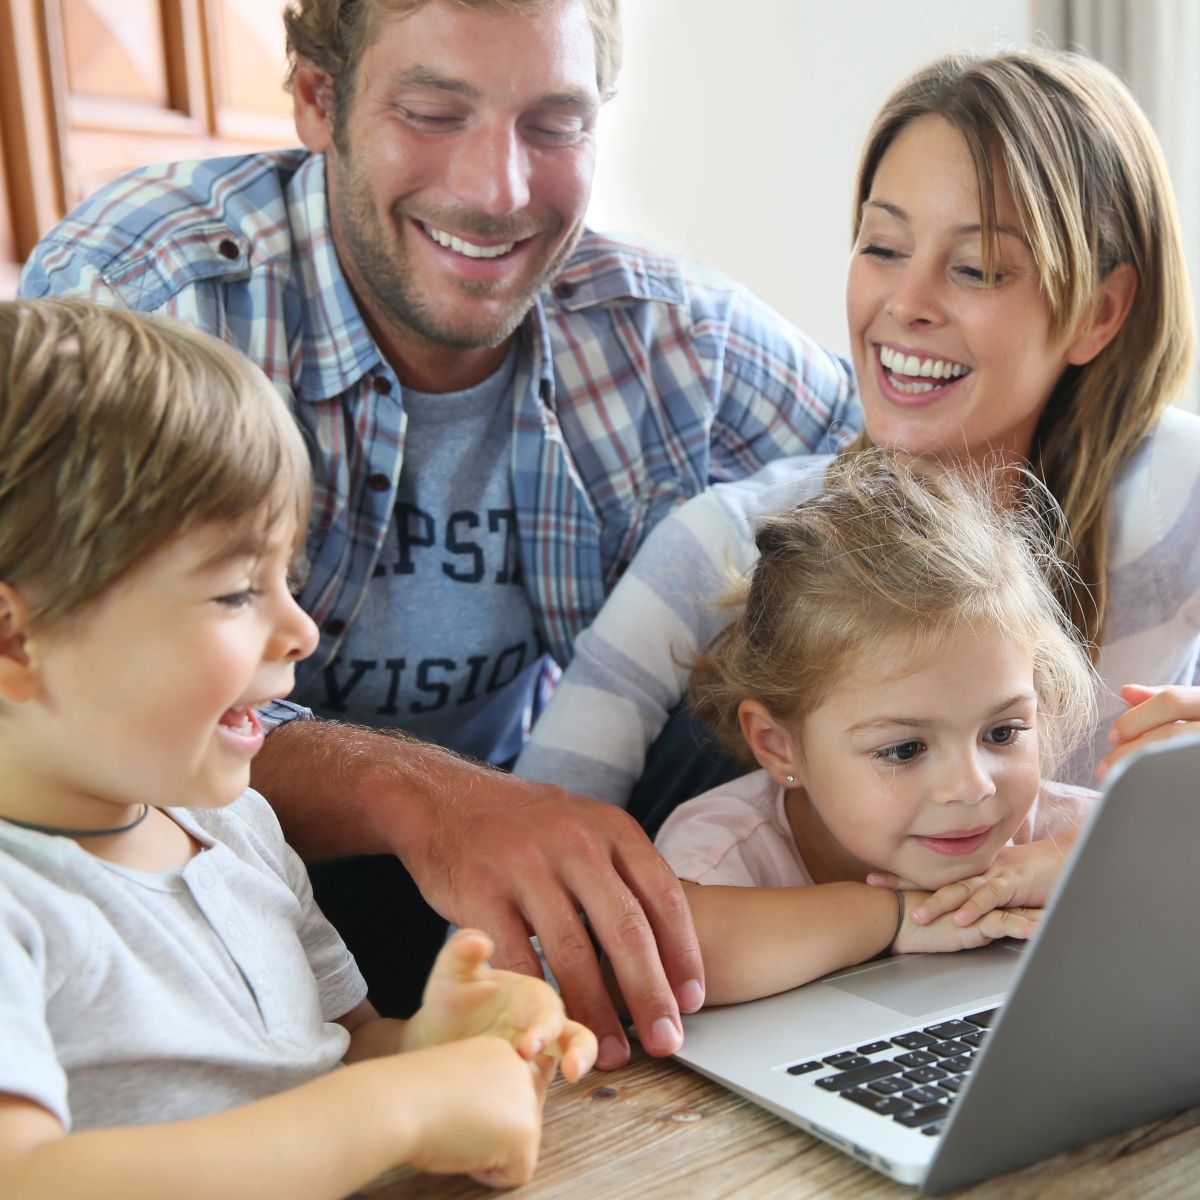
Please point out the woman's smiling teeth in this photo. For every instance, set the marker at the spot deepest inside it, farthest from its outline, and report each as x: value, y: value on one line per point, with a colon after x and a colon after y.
x: 470, y: 249
x: 897, y: 364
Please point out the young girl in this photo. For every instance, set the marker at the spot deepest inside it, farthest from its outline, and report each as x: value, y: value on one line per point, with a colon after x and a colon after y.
x: 902, y: 674
x: 1017, y: 286
x: 174, y: 1011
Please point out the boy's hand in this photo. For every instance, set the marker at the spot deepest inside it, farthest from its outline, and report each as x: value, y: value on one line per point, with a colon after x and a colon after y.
x: 1020, y: 876
x: 477, y: 1110
x: 1154, y: 715
x: 945, y: 934
x: 465, y: 997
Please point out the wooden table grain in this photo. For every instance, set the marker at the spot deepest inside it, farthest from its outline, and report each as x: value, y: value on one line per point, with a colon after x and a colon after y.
x: 657, y: 1129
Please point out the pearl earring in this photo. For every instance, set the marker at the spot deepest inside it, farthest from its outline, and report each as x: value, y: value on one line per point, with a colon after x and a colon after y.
x: 791, y: 779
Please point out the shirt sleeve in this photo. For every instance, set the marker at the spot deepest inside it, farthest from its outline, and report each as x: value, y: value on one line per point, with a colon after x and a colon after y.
x: 339, y: 981
x: 1061, y: 808
x: 631, y: 665
x: 29, y: 1065
x: 781, y: 393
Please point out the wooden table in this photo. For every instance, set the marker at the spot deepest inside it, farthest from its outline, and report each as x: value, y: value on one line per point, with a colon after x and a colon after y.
x: 657, y: 1129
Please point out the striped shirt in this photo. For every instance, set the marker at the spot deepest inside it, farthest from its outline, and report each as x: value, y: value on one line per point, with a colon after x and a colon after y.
x: 641, y: 379
x: 630, y: 667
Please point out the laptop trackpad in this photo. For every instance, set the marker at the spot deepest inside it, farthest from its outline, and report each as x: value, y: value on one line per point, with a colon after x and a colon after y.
x: 917, y: 984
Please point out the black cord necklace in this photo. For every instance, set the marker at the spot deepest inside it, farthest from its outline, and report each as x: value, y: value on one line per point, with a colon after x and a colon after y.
x: 80, y: 833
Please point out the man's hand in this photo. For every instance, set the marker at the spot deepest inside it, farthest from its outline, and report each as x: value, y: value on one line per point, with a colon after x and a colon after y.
x: 1155, y: 714
x: 515, y: 858
x: 465, y: 998
x: 505, y: 855
x: 1020, y: 876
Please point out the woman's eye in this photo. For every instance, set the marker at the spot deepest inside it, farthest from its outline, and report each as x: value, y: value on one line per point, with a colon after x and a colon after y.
x: 901, y: 752
x: 977, y: 277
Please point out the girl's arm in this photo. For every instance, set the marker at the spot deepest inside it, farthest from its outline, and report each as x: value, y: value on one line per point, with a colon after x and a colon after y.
x: 472, y: 1106
x: 757, y: 941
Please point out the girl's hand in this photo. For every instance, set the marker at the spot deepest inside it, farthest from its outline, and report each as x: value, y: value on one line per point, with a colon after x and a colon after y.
x: 1020, y: 876
x: 465, y: 997
x: 944, y: 934
x: 1155, y: 714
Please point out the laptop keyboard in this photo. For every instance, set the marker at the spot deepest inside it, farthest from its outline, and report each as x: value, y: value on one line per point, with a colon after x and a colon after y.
x: 911, y: 1078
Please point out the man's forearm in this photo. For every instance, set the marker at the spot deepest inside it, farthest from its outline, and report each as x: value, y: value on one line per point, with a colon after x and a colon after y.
x: 343, y: 789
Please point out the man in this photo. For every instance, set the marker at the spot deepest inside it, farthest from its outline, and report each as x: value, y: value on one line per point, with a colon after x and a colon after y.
x: 499, y: 407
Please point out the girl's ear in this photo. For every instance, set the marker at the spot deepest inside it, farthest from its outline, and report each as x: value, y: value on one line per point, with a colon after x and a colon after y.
x: 18, y: 675
x: 768, y: 742
x: 1114, y: 299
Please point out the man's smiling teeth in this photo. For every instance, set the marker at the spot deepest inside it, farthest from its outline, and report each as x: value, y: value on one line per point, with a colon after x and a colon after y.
x: 468, y: 248
x: 896, y: 364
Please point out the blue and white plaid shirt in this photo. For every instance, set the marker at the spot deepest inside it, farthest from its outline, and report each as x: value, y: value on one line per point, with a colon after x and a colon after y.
x: 640, y: 380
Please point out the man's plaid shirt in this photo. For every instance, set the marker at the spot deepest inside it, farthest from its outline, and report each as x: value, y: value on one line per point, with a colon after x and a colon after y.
x: 641, y: 380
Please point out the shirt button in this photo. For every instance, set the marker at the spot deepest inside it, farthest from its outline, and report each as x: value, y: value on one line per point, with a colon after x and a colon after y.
x: 335, y: 626
x: 227, y: 248
x: 381, y: 384
x: 379, y: 482
x: 564, y: 289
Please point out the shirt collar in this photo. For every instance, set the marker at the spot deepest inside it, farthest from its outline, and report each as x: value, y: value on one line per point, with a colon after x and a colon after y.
x: 337, y: 348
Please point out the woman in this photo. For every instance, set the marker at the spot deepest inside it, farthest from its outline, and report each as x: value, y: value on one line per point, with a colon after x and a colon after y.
x: 1017, y: 291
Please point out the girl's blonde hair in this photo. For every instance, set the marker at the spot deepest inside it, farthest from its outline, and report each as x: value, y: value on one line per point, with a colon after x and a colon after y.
x: 119, y: 432
x: 1088, y: 179
x: 894, y: 551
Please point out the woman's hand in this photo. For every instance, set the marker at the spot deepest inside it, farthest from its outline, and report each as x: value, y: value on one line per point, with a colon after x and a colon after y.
x: 1155, y: 714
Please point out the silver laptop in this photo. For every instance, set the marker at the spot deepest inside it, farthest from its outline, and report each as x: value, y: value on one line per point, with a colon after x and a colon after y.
x: 941, y: 1070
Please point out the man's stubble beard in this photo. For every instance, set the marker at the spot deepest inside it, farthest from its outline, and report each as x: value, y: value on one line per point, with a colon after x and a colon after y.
x: 379, y: 266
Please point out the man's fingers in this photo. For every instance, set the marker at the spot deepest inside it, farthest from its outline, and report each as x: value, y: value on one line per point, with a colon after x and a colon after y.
x: 665, y: 905
x: 572, y: 959
x: 513, y: 950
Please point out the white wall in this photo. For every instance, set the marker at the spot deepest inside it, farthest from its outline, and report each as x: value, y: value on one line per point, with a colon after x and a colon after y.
x: 736, y: 128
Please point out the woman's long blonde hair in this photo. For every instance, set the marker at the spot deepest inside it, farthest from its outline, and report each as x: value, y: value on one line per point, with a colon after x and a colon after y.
x: 1088, y: 178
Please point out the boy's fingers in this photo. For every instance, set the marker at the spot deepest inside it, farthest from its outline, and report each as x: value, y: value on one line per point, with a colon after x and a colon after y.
x: 464, y: 954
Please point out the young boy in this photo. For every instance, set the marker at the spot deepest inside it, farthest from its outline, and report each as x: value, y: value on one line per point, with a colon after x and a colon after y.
x: 174, y: 1009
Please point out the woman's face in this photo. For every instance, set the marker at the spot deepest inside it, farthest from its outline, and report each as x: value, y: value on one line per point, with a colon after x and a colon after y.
x: 948, y: 364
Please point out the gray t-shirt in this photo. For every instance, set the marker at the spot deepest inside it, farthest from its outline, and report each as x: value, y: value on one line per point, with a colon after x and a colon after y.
x: 131, y: 998
x: 445, y: 645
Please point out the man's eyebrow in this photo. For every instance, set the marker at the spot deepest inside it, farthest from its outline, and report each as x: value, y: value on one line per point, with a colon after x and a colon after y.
x: 420, y: 76
x: 968, y: 230
x: 425, y: 77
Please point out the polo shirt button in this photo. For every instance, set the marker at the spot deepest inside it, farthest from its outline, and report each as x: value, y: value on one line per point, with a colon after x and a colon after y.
x: 379, y: 482
x: 227, y: 248
x: 335, y: 626
x: 381, y: 384
x: 564, y: 290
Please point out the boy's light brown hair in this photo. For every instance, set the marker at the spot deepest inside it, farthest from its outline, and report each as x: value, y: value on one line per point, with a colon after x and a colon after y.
x: 119, y: 432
